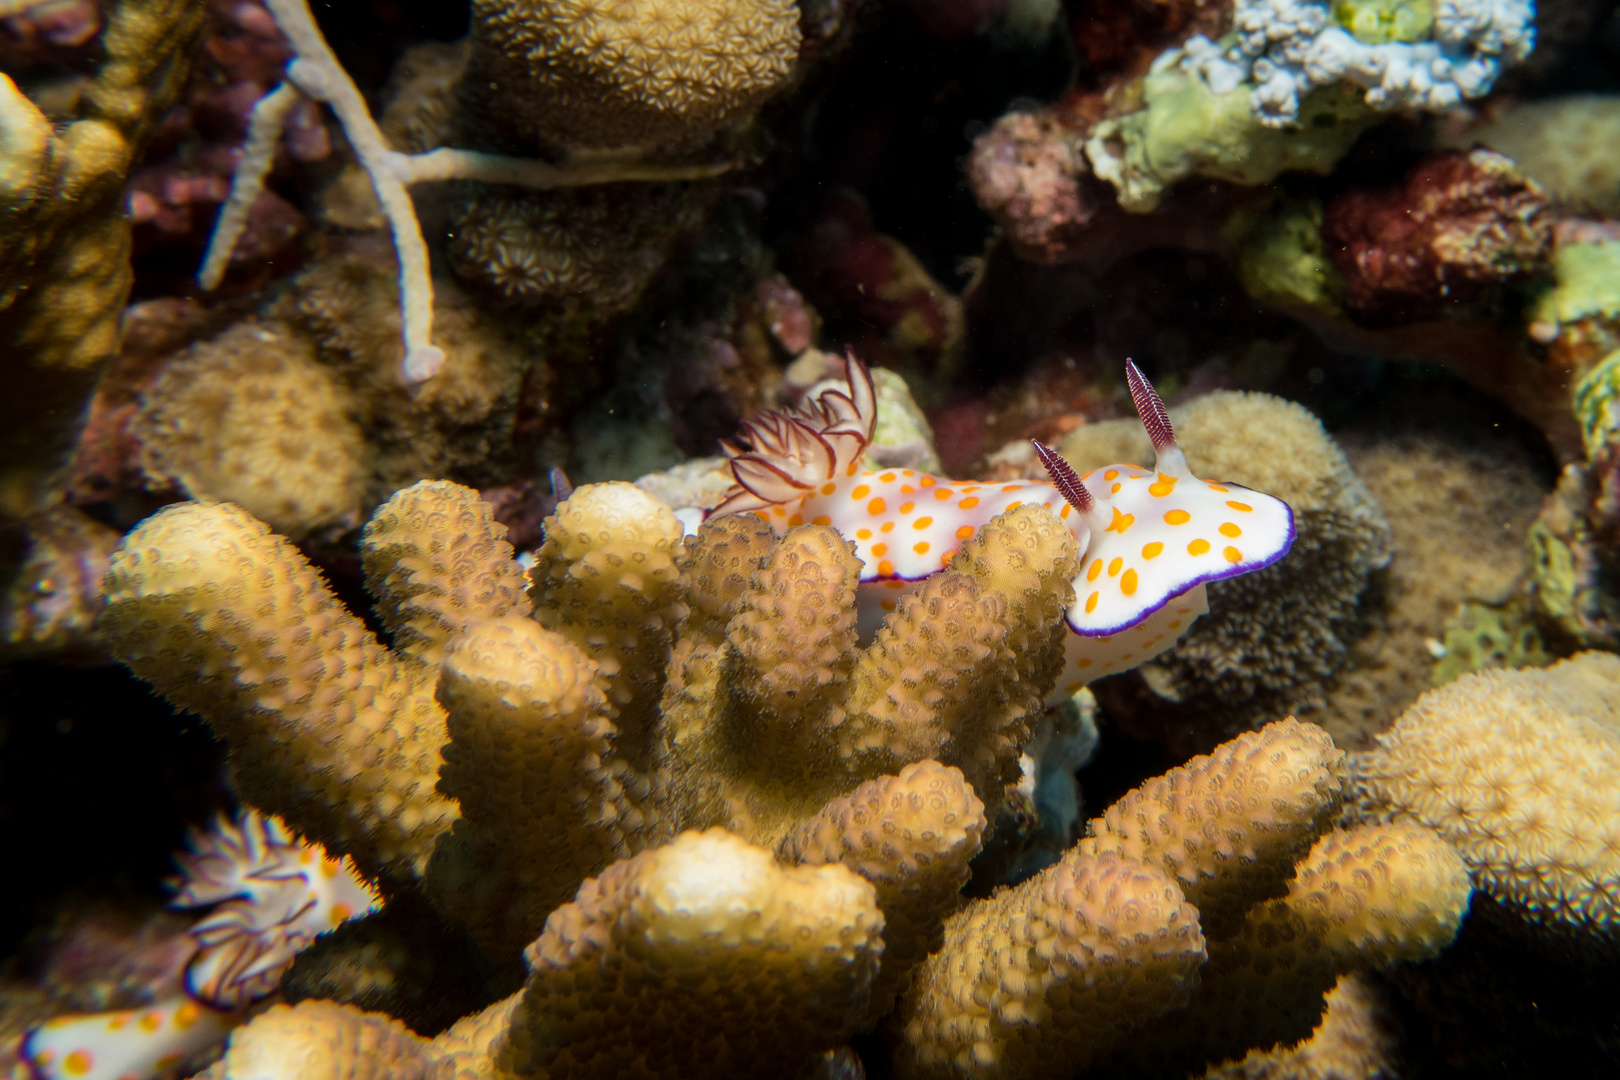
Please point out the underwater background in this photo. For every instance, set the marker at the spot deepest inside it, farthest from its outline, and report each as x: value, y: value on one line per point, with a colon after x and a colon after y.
x: 702, y: 538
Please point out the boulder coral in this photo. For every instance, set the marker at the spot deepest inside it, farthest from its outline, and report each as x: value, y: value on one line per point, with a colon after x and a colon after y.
x: 252, y: 418
x: 1517, y: 770
x: 587, y: 74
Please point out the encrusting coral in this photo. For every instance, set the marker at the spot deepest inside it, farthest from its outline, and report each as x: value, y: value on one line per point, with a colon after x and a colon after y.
x: 592, y: 74
x: 1274, y: 639
x: 1517, y: 770
x: 65, y: 236
x: 253, y: 419
x: 1049, y: 978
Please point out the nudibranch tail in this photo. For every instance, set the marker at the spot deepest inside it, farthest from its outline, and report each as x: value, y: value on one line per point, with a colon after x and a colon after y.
x: 129, y: 1043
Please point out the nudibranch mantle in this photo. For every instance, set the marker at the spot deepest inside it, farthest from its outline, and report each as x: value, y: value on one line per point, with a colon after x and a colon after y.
x: 1151, y: 538
x: 271, y: 895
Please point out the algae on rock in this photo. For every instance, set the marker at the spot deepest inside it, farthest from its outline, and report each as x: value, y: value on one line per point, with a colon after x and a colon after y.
x: 1188, y: 129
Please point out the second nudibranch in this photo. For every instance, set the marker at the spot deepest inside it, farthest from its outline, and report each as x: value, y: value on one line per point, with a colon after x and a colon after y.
x: 1151, y: 538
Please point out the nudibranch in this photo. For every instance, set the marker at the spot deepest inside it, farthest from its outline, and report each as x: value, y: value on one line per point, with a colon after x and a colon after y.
x: 1151, y: 538
x: 270, y: 895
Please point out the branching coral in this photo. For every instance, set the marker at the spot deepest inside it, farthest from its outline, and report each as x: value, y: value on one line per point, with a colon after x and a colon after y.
x: 1517, y: 769
x: 731, y: 964
x: 660, y: 685
x: 327, y: 727
x: 1047, y: 979
x: 65, y: 239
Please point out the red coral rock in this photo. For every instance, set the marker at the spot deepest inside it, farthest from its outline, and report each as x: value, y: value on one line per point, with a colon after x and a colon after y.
x: 1028, y: 172
x: 1455, y: 226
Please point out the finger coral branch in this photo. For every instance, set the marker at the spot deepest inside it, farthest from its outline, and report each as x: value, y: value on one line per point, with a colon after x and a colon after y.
x: 325, y: 726
x: 1038, y: 979
x: 1363, y: 898
x: 606, y: 579
x: 912, y: 836
x: 792, y: 645
x: 1229, y: 826
x: 732, y: 965
x: 437, y: 562
x: 65, y: 235
x: 530, y: 761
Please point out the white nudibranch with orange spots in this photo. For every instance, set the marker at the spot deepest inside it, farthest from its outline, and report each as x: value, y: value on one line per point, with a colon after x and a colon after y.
x: 1151, y: 538
x: 270, y: 894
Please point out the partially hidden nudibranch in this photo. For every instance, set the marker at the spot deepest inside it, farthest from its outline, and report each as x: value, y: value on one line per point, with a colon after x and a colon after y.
x: 271, y: 894
x: 1151, y: 538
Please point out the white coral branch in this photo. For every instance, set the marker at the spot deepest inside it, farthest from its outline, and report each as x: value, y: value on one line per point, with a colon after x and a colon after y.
x: 315, y: 73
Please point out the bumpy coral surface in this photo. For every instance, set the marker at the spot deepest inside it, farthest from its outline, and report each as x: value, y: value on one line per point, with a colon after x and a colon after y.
x: 589, y: 73
x: 736, y: 965
x: 1517, y: 769
x: 1050, y: 978
x: 1457, y: 224
x: 593, y: 248
x: 1240, y: 651
x: 1459, y: 503
x: 326, y: 726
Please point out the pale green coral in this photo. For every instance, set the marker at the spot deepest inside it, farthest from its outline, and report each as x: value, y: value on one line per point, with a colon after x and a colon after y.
x: 1597, y: 403
x: 1588, y: 284
x: 1281, y: 260
x: 1187, y: 129
x: 1482, y: 636
x: 1378, y: 22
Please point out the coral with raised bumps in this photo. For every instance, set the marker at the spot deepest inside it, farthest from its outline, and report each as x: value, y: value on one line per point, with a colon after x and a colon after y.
x: 326, y: 726
x: 65, y: 236
x: 1112, y: 934
x: 731, y: 963
x: 627, y: 708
